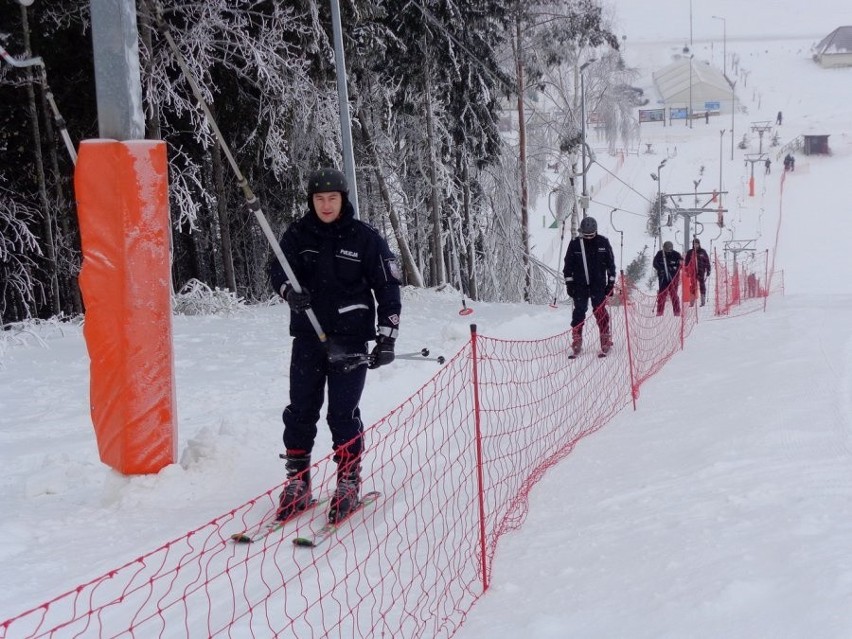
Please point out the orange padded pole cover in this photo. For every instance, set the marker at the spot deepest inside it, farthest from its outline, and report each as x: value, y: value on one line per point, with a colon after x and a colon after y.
x: 689, y: 281
x: 122, y: 204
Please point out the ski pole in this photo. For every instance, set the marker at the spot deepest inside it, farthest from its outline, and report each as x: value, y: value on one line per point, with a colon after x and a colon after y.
x: 418, y: 357
x: 350, y: 361
x: 251, y: 199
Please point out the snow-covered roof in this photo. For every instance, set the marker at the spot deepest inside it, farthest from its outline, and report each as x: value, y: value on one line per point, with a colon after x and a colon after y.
x: 707, y: 83
x: 837, y: 42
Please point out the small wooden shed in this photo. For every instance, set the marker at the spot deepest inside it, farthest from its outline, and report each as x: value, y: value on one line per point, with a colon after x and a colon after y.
x: 816, y: 145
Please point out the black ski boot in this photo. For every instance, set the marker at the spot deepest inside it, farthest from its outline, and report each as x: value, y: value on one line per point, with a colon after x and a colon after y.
x: 297, y: 492
x: 347, y: 494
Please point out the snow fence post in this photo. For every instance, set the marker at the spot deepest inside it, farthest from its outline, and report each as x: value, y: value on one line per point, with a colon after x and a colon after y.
x: 766, y: 279
x: 624, y: 303
x: 479, y: 470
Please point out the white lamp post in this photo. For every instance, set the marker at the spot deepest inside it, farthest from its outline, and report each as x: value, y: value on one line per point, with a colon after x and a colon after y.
x: 584, y: 201
x: 724, y: 44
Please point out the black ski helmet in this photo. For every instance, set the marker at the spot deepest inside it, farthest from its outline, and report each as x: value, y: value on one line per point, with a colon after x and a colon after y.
x: 588, y: 226
x: 668, y: 247
x: 325, y: 180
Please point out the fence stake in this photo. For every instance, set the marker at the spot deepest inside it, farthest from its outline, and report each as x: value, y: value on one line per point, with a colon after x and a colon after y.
x: 633, y: 390
x: 479, y: 469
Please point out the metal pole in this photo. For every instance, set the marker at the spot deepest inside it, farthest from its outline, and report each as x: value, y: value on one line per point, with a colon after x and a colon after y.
x: 118, y: 84
x: 733, y: 109
x: 584, y: 200
x: 660, y: 210
x: 721, y: 140
x: 724, y: 44
x: 343, y: 103
x: 689, y: 110
x: 690, y: 25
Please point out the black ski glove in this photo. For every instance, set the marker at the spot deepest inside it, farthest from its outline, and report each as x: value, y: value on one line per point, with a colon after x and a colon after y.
x: 608, y: 289
x: 569, y: 286
x: 382, y: 352
x: 299, y: 302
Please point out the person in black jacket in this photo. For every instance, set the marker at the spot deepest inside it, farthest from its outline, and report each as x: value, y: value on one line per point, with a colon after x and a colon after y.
x: 346, y: 274
x: 667, y: 263
x: 589, y: 274
x: 698, y: 267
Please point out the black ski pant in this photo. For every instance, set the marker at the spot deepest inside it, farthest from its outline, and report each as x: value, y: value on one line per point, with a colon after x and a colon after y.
x: 581, y: 306
x: 310, y: 372
x: 668, y: 289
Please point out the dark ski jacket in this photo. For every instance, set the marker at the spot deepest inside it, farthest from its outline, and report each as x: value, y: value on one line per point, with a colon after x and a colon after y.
x: 703, y: 265
x: 673, y: 261
x: 343, y: 265
x: 599, y: 258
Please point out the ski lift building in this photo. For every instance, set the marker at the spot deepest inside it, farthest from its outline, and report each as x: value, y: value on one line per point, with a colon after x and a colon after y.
x: 835, y: 49
x: 706, y: 84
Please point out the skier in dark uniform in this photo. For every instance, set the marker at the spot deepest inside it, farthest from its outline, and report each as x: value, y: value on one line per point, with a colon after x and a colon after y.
x: 347, y: 275
x: 698, y: 268
x: 667, y: 264
x: 589, y: 274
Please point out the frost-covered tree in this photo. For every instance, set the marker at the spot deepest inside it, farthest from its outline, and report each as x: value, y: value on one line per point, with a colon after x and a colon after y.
x: 18, y: 246
x: 428, y: 84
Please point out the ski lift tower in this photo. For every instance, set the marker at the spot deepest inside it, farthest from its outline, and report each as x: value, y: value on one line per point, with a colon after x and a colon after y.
x: 760, y: 128
x: 690, y: 214
x: 753, y: 158
x: 735, y: 247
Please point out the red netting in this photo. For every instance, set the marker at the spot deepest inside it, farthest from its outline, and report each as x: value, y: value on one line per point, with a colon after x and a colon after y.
x: 455, y: 464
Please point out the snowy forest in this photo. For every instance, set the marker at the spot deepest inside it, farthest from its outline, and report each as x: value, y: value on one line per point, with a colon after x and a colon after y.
x: 463, y: 114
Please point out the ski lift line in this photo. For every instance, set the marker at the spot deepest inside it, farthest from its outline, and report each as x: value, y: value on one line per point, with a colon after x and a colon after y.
x: 643, y: 196
x: 251, y: 199
x: 618, y: 208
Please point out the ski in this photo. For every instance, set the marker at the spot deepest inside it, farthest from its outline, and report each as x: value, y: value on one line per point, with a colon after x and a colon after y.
x: 247, y: 537
x: 328, y: 530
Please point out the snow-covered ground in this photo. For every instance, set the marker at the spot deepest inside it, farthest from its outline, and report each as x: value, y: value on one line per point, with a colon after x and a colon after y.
x: 721, y: 507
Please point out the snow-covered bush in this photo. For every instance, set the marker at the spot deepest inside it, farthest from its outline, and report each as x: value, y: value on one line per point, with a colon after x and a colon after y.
x: 196, y: 298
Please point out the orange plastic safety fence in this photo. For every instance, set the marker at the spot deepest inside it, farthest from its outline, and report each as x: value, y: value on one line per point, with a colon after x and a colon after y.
x: 454, y: 463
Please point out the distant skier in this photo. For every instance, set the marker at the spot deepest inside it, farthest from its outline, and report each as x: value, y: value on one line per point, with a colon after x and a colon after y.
x: 589, y: 274
x: 345, y: 269
x: 779, y: 118
x: 667, y: 263
x: 767, y: 164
